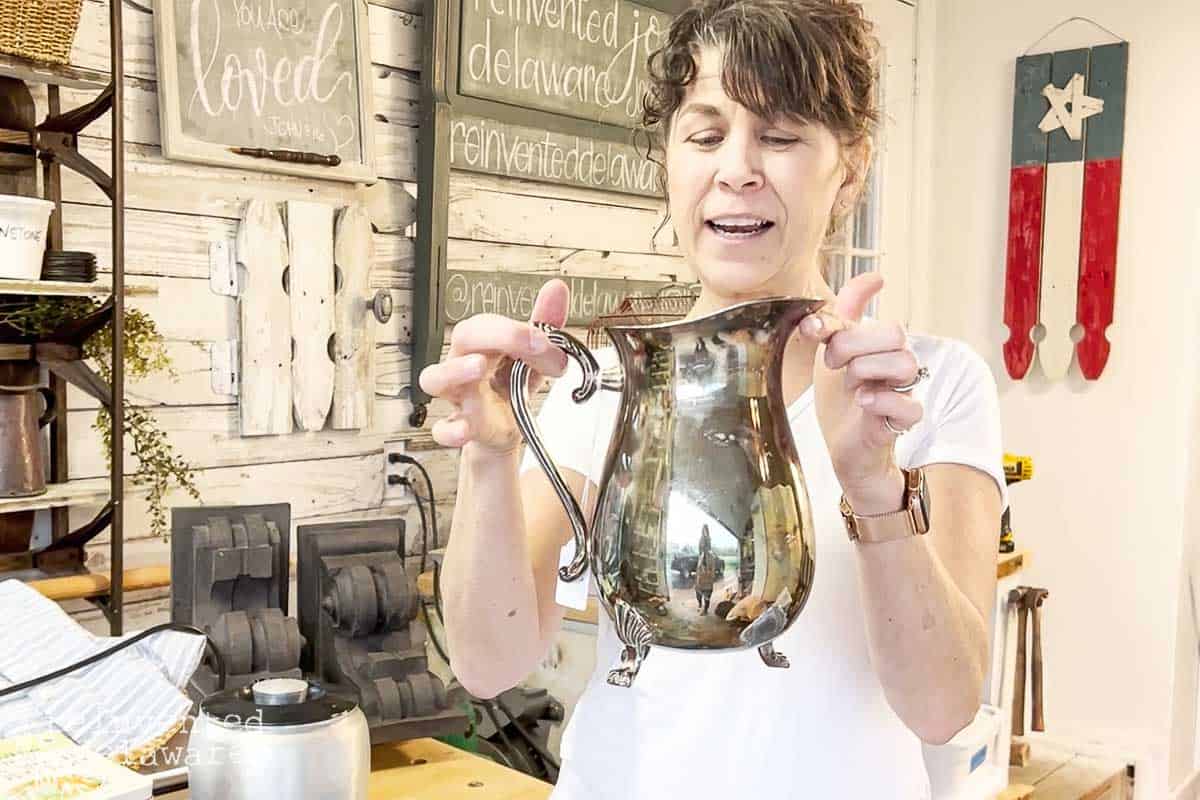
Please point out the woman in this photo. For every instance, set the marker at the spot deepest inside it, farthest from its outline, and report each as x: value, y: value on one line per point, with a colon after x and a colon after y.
x: 763, y: 111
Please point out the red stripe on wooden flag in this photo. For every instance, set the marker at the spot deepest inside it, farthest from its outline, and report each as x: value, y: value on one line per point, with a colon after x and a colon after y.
x: 1026, y: 199
x: 1097, y: 262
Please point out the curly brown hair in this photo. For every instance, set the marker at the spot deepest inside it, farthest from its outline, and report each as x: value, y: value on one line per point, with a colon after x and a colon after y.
x: 829, y: 44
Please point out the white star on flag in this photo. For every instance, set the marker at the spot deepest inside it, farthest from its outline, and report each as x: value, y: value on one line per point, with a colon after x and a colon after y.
x: 1082, y: 107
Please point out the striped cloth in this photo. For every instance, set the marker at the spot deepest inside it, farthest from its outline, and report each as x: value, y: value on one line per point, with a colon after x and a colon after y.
x: 121, y: 706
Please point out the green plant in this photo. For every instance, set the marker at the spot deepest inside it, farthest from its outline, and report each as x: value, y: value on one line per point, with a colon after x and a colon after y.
x: 145, y: 353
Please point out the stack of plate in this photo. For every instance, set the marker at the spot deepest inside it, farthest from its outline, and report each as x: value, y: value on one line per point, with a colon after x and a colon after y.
x: 69, y: 265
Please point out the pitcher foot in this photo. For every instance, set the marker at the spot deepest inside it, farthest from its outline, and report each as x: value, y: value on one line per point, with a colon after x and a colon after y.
x: 772, y: 658
x: 631, y: 662
x: 635, y: 634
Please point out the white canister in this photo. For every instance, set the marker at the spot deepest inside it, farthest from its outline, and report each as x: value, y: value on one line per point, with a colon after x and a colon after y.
x: 23, y: 224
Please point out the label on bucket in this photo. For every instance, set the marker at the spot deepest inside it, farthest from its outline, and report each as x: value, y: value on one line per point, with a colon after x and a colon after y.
x: 978, y: 758
x: 15, y: 233
x: 22, y: 236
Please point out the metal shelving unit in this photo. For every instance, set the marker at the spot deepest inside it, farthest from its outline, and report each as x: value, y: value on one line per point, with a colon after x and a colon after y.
x: 53, y: 141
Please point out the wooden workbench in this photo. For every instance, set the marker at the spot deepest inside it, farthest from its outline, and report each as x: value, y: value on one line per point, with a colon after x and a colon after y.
x: 1055, y: 772
x: 426, y: 769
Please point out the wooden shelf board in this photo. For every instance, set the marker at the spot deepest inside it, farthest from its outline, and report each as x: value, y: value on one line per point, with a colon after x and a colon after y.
x: 1058, y: 773
x: 89, y: 491
x: 65, y: 288
x: 61, y: 74
x: 87, y: 585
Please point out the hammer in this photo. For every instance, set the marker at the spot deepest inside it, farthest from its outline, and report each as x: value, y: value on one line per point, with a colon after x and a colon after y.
x: 1034, y: 599
x: 1017, y: 597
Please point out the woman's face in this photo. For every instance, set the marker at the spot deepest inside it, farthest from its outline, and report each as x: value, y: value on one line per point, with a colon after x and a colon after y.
x: 750, y: 197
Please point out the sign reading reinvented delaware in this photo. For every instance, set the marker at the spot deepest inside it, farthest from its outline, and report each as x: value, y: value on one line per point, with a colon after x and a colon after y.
x: 584, y: 59
x: 274, y: 85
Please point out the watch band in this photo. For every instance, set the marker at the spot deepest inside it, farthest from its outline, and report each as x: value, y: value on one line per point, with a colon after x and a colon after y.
x: 911, y: 520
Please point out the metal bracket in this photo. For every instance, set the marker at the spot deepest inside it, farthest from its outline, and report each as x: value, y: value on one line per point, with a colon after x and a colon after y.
x: 223, y: 268
x: 75, y: 120
x: 61, y: 147
x: 223, y: 367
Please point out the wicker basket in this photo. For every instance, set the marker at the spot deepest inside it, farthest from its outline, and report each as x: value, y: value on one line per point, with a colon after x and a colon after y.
x: 40, y: 30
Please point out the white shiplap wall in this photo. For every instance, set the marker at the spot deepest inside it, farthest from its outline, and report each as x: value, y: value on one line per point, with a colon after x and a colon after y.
x: 177, y: 209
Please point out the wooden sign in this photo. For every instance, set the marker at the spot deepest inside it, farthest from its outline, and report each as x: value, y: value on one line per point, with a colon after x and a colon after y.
x: 265, y: 323
x: 286, y: 83
x: 545, y: 90
x: 511, y: 294
x: 581, y: 58
x: 1064, y: 207
x: 551, y: 90
x: 517, y: 151
x: 310, y: 290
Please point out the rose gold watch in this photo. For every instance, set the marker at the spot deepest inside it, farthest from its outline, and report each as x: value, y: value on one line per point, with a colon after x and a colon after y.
x: 912, y: 520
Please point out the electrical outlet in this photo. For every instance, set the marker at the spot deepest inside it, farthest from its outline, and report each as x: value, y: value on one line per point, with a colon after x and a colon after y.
x: 395, y: 475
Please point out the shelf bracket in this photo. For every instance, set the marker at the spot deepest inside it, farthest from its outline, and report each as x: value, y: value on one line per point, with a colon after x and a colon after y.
x: 79, y: 537
x: 75, y: 120
x: 61, y: 147
x: 77, y: 371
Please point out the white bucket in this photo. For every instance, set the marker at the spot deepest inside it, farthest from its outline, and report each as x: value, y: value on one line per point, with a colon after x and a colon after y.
x: 23, y: 223
x: 957, y: 768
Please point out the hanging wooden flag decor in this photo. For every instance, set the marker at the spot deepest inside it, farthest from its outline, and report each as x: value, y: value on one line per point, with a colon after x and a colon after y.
x: 1026, y: 198
x: 1101, y: 206
x: 1064, y: 201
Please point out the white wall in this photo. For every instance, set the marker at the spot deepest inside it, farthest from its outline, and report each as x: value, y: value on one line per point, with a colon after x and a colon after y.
x: 1103, y: 516
x: 1186, y: 707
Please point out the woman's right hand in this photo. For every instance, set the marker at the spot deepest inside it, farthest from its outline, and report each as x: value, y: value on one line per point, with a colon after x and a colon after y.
x: 474, y: 374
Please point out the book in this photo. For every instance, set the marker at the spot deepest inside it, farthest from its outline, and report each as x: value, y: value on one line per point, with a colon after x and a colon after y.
x: 49, y: 766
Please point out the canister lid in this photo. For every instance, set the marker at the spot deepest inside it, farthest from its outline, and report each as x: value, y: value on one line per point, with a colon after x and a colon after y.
x: 279, y: 691
x: 274, y: 702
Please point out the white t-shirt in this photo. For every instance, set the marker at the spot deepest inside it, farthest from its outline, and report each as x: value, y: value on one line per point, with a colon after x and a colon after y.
x: 716, y: 726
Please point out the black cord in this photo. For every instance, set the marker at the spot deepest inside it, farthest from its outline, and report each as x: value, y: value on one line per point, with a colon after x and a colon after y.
x: 407, y: 459
x: 437, y: 645
x: 508, y: 745
x: 166, y: 626
x: 433, y: 637
x: 494, y: 750
x: 425, y: 526
x: 437, y: 592
x: 424, y: 530
x: 541, y: 751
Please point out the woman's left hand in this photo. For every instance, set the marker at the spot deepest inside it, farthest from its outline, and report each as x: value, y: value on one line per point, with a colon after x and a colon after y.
x: 853, y: 377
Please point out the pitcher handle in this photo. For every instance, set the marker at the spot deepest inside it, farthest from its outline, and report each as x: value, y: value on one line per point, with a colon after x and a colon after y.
x: 50, y: 413
x: 518, y: 382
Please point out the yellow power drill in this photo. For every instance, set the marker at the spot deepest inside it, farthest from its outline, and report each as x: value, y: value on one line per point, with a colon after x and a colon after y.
x: 1016, y: 469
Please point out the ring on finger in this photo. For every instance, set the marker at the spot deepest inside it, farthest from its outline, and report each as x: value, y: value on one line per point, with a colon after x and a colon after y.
x: 922, y: 374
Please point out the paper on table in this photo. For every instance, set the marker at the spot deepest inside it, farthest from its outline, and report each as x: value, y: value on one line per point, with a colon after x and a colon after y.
x: 121, y: 706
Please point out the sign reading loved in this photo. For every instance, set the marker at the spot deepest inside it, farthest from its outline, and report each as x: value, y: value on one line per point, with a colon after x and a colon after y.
x: 277, y: 75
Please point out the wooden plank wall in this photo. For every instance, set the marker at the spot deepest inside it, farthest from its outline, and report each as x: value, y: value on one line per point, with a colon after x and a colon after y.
x: 177, y: 209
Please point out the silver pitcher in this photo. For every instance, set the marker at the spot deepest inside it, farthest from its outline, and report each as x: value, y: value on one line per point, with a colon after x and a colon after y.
x: 22, y: 452
x: 702, y: 535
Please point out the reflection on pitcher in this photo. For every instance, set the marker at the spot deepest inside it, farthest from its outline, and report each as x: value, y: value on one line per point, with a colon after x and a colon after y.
x: 701, y: 538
